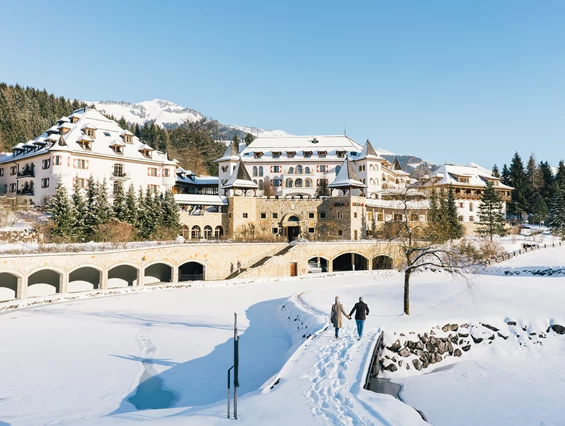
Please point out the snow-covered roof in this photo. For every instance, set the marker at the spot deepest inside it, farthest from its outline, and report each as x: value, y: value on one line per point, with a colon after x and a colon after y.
x: 52, y: 129
x: 126, y: 132
x: 347, y: 178
x: 369, y: 152
x: 198, y: 199
x: 240, y: 178
x: 63, y: 120
x: 66, y: 125
x: 92, y: 119
x: 328, y: 146
x: 117, y: 142
x: 230, y: 154
x: 85, y: 138
x: 472, y: 175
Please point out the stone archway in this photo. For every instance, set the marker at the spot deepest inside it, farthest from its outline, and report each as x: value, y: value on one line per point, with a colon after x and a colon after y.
x: 291, y: 226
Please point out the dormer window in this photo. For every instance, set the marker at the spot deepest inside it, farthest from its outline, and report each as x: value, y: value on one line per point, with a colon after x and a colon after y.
x: 52, y: 131
x: 64, y: 128
x: 74, y: 118
x: 258, y: 155
x: 146, y: 151
x: 127, y: 136
x: 89, y: 130
x: 307, y: 154
x: 340, y: 154
x: 118, y: 149
x: 276, y: 154
x: 463, y: 179
x: 85, y: 142
x: 290, y: 154
x: 322, y: 154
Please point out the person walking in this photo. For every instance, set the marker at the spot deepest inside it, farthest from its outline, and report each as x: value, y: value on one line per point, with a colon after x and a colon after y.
x: 238, y: 266
x: 335, y: 316
x: 361, y: 311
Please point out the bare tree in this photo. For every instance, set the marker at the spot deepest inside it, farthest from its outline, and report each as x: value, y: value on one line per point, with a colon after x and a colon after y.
x: 420, y: 247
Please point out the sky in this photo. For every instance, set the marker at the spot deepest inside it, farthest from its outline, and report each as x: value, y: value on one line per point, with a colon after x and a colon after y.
x: 448, y: 81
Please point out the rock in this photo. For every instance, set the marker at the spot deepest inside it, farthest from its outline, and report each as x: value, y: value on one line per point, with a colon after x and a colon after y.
x: 419, y: 353
x: 524, y: 328
x: 408, y: 366
x: 492, y: 337
x: 461, y: 341
x: 387, y: 357
x: 453, y: 339
x: 395, y: 347
x: 450, y: 327
x: 541, y: 335
x: 477, y: 339
x: 400, y: 363
x: 405, y: 352
x: 391, y: 367
x: 457, y: 352
x: 490, y: 327
x: 430, y: 347
x: 466, y: 348
x: 411, y: 345
x: 393, y: 359
x: 511, y: 323
x: 442, y: 347
x: 533, y: 333
x: 449, y: 348
x: 435, y: 358
x: 425, y: 364
x: 559, y: 329
x: 401, y: 334
x: 503, y: 336
x: 463, y: 335
x: 432, y: 333
x: 465, y: 325
x: 423, y: 338
x: 417, y: 364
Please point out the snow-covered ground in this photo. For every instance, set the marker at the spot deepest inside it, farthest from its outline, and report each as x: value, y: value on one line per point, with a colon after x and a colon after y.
x: 80, y: 363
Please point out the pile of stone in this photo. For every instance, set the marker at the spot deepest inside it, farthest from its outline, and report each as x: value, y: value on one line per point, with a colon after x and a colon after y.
x: 420, y: 351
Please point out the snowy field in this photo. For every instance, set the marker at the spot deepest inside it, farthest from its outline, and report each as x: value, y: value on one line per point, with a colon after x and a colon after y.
x: 81, y: 362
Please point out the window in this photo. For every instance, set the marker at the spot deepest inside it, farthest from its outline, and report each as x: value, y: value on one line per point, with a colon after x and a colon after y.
x: 260, y: 171
x: 311, y: 230
x: 322, y: 154
x: 81, y: 183
x: 308, y: 183
x: 307, y: 154
x: 1, y: 172
x: 153, y: 188
x: 277, y: 169
x: 258, y: 155
x: 307, y: 171
x: 195, y: 232
x: 323, y: 215
x: 245, y: 215
x: 254, y: 170
x: 461, y: 205
x: 263, y: 215
x: 45, y: 164
x: 397, y: 217
x: 370, y: 216
x: 340, y: 154
x: 275, y: 230
x: 470, y: 207
x: 13, y: 170
x: 208, y: 232
x: 355, y: 215
x: 261, y: 184
x: 218, y: 231
x: 107, y: 134
x: 471, y: 218
x: 322, y: 169
x: 81, y: 164
x: 118, y: 170
x: 153, y: 171
x: 380, y: 217
x: 289, y: 183
x: 463, y: 179
x: 45, y: 183
x: 461, y: 218
x: 224, y: 168
x: 291, y: 170
x: 414, y: 217
x: 277, y: 182
x: 340, y: 233
x: 166, y: 172
x: 276, y: 154
x: 298, y: 183
x: 290, y: 154
x: 12, y: 187
x: 90, y: 133
x: 339, y: 215
x: 275, y: 215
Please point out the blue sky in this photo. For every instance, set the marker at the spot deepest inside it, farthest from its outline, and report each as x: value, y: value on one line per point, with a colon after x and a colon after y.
x: 449, y: 81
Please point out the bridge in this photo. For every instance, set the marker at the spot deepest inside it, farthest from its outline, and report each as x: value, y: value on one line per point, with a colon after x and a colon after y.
x: 31, y: 275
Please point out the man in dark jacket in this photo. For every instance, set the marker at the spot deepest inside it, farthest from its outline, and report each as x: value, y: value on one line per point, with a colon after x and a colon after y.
x: 361, y: 311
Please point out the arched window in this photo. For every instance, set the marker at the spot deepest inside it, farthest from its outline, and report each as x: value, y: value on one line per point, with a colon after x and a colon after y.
x: 299, y: 170
x: 254, y: 170
x: 208, y: 232
x: 372, y: 168
x: 397, y: 182
x: 118, y: 170
x: 373, y: 181
x: 414, y: 217
x: 195, y: 232
x: 261, y: 185
x: 260, y: 171
x: 255, y: 181
x: 308, y: 183
x: 307, y: 170
x: 218, y: 232
x: 298, y: 183
x: 291, y: 170
x: 289, y: 183
x: 337, y: 169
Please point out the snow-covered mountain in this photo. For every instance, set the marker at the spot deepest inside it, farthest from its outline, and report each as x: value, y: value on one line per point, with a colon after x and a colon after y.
x: 168, y: 114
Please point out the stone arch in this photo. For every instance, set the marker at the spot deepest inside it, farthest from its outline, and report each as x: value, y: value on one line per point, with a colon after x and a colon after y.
x: 84, y: 278
x: 208, y: 232
x: 9, y: 285
x: 308, y: 183
x: 123, y: 275
x: 192, y: 270
x: 158, y: 272
x: 44, y: 281
x: 195, y: 232
x: 318, y: 264
x: 298, y: 183
x: 382, y: 262
x: 288, y: 183
x: 218, y: 232
x: 350, y: 261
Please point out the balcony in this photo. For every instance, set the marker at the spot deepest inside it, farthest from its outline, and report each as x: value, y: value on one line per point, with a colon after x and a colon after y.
x: 116, y: 175
x: 27, y: 171
x: 26, y: 191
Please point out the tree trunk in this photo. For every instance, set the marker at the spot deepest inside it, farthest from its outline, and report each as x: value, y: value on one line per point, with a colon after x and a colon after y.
x: 407, y: 292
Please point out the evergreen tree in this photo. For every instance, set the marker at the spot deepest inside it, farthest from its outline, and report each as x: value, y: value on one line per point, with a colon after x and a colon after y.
x: 91, y: 216
x: 171, y: 216
x: 435, y: 218
x: 556, y: 216
x: 249, y: 138
x: 518, y: 180
x: 491, y: 219
x: 104, y: 210
x: 79, y: 207
x: 61, y: 211
x: 560, y: 175
x: 454, y: 225
x: 131, y: 209
x: 547, y: 179
x: 495, y: 171
x: 119, y: 206
x: 538, y: 209
x: 505, y: 175
x: 236, y: 141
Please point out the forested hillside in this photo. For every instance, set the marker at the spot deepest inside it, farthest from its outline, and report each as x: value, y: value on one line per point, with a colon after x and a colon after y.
x: 25, y: 113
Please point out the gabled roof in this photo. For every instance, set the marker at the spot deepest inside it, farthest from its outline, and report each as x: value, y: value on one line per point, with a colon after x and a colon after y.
x: 369, y: 152
x: 449, y: 174
x: 126, y: 132
x: 230, y: 154
x: 84, y: 138
x: 347, y: 178
x: 63, y: 120
x: 240, y: 178
x: 88, y: 125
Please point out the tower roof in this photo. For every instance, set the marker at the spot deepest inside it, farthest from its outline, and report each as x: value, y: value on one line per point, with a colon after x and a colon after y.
x: 230, y: 154
x: 240, y: 178
x: 347, y: 178
x: 369, y: 152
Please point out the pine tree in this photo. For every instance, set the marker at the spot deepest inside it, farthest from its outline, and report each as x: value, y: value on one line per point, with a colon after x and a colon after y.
x: 131, y: 209
x: 518, y: 180
x: 79, y: 207
x: 495, y: 171
x: 249, y: 138
x: 91, y: 216
x: 455, y: 227
x: 560, y: 175
x: 556, y: 216
x: 491, y: 218
x: 538, y: 209
x: 171, y: 216
x: 119, y: 208
x: 236, y: 141
x: 61, y: 211
x: 505, y: 175
x: 104, y: 211
x: 435, y: 218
